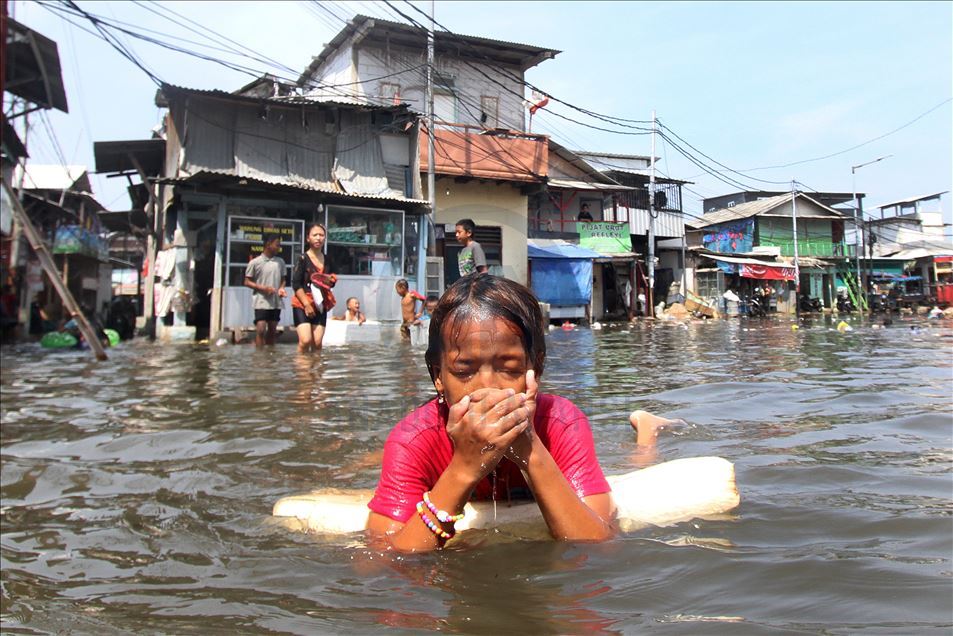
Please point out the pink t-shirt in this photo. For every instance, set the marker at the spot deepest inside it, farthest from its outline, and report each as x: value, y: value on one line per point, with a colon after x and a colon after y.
x: 419, y: 450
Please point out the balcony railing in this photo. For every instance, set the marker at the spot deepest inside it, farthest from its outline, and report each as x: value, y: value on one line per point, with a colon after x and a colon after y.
x: 818, y: 248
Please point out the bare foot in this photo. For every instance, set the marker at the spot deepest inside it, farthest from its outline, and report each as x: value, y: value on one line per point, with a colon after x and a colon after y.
x: 647, y: 426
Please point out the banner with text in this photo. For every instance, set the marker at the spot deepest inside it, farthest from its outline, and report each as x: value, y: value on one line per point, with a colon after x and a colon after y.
x: 605, y: 237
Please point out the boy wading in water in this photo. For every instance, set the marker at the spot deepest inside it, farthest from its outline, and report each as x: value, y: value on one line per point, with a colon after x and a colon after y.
x: 265, y: 275
x: 408, y: 308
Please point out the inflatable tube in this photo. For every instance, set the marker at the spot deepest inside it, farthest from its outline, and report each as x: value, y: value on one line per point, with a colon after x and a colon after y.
x: 65, y: 340
x: 112, y: 336
x: 660, y: 495
x: 58, y: 340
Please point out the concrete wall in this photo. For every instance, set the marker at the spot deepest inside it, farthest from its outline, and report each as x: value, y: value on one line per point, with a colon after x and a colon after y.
x: 467, y: 82
x: 489, y: 204
x: 338, y: 70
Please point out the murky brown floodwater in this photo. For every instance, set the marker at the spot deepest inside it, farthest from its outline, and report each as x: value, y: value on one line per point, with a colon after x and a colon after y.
x: 136, y: 493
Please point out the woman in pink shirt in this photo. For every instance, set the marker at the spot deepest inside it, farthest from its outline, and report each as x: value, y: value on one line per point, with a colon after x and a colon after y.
x: 489, y: 431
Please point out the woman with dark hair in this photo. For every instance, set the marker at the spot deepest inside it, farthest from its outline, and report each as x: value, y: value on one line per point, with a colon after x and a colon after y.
x: 488, y: 432
x: 312, y: 281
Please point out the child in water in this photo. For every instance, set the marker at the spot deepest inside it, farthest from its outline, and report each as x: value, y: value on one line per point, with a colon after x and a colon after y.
x: 489, y: 432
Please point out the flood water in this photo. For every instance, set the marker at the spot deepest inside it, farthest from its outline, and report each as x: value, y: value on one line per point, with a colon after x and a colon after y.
x: 136, y: 493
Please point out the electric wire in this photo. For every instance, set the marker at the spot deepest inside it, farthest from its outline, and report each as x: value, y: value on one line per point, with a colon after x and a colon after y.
x: 460, y: 39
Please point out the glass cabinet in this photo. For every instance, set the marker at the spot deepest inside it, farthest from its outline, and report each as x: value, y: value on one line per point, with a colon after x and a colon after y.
x: 365, y: 242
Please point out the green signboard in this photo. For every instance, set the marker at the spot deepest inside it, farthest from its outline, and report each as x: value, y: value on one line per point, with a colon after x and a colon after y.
x: 604, y: 237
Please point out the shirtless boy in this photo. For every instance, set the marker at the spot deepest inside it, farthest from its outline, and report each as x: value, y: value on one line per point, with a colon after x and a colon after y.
x: 408, y: 309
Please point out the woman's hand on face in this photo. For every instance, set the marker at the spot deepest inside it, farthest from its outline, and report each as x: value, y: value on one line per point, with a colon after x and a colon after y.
x: 483, y: 425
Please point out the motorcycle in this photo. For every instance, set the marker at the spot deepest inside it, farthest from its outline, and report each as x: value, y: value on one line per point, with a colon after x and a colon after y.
x: 808, y: 304
x: 844, y: 305
x: 757, y: 306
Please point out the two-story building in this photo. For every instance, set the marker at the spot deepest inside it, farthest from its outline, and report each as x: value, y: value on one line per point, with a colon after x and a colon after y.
x: 755, y: 243
x: 237, y: 166
x: 486, y: 166
x: 907, y: 245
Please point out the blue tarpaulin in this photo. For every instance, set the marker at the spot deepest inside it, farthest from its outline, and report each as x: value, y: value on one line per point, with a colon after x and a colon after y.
x: 560, y: 250
x: 562, y: 273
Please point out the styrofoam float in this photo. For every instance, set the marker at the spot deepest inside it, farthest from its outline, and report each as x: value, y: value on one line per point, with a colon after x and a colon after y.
x: 340, y: 332
x: 661, y: 495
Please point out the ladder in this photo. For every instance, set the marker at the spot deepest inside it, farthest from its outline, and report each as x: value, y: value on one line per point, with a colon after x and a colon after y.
x: 854, y: 292
x: 49, y: 267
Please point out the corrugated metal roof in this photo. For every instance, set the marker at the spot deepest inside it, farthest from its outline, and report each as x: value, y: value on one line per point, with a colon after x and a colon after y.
x: 531, y: 55
x: 579, y: 163
x: 572, y: 184
x: 922, y: 197
x: 754, y: 208
x: 304, y: 186
x: 780, y: 261
x: 287, y: 100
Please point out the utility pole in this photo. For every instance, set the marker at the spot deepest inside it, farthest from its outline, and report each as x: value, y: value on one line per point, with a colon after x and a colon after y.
x: 650, y: 259
x: 428, y: 219
x: 797, y: 269
x: 859, y: 239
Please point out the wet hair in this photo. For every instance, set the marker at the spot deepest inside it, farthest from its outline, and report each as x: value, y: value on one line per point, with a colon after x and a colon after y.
x: 268, y: 238
x: 402, y: 283
x: 467, y: 225
x: 348, y: 301
x: 483, y: 296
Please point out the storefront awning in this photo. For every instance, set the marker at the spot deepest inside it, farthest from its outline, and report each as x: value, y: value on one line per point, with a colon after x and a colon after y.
x: 753, y: 268
x: 555, y: 248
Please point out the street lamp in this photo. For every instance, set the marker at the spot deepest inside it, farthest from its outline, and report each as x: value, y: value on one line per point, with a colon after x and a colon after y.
x: 861, y: 289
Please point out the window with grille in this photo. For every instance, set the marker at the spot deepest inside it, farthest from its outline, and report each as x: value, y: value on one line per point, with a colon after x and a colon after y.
x: 491, y: 240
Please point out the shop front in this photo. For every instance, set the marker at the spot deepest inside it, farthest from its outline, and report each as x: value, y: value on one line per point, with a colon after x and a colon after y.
x: 370, y: 248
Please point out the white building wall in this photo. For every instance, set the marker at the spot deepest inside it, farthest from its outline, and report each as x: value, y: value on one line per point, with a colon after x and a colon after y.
x: 338, y: 71
x: 494, y: 205
x: 468, y: 83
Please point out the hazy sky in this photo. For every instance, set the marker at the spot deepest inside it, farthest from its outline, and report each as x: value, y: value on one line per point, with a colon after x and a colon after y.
x: 749, y: 84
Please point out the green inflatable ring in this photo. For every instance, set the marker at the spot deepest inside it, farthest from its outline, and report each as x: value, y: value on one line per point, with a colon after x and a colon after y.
x: 58, y: 340
x: 113, y: 336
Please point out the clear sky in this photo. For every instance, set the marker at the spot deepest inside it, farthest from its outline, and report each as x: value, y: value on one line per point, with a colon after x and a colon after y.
x: 749, y: 84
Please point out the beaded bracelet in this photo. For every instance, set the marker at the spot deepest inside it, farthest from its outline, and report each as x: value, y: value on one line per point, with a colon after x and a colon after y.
x: 442, y: 515
x: 437, y: 530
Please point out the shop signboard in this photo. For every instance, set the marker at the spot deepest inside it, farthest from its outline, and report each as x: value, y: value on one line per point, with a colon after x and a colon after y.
x: 245, y: 235
x: 605, y: 237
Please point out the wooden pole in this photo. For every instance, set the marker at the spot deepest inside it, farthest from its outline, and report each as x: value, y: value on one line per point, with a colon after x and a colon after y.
x: 148, y: 293
x: 650, y: 260
x: 46, y: 261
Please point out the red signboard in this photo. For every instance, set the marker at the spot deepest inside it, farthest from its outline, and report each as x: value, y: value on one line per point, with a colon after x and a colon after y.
x: 768, y: 272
